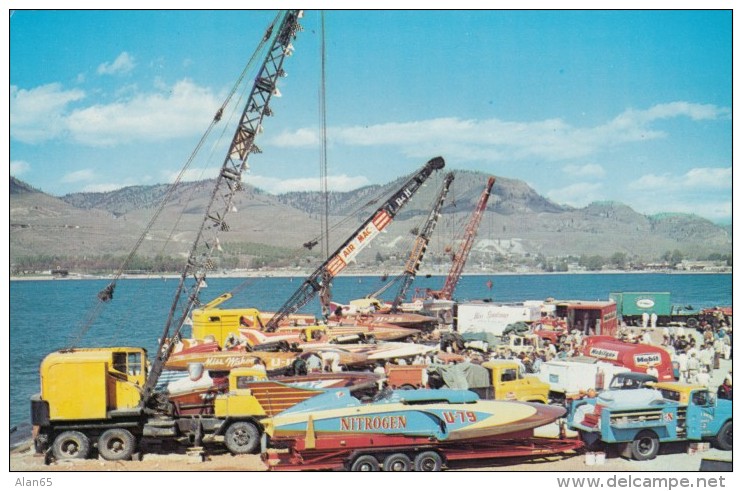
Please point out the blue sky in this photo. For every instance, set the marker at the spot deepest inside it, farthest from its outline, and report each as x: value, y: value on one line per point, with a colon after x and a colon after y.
x: 632, y: 106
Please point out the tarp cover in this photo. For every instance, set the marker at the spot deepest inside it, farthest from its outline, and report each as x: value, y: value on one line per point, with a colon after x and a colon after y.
x: 516, y: 328
x: 481, y: 336
x: 464, y: 375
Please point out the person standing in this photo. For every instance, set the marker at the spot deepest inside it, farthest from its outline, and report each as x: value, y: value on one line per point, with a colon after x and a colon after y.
x: 706, y: 357
x: 693, y: 368
x: 704, y: 378
x: 653, y: 320
x: 645, y: 319
x: 682, y: 359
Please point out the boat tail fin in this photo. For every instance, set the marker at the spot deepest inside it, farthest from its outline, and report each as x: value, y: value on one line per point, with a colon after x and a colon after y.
x: 310, y: 441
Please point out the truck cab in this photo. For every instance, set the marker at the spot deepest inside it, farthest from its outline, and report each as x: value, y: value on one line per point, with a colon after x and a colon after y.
x: 517, y: 344
x: 631, y: 381
x: 509, y: 382
x: 89, y: 383
x: 495, y: 379
x: 677, y: 412
x: 223, y: 325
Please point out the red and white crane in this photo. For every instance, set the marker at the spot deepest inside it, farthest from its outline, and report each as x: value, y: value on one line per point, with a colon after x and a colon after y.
x: 459, y: 259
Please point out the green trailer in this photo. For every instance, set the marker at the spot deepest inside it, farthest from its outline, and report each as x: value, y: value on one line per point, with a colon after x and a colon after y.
x: 631, y: 306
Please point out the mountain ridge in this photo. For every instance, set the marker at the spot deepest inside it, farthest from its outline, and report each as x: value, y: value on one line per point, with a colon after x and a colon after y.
x: 519, y: 223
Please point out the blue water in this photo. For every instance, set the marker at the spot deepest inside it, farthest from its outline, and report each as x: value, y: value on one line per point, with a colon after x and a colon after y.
x: 49, y: 315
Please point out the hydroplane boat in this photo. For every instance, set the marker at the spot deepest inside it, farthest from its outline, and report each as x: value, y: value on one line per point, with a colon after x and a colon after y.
x: 424, y: 415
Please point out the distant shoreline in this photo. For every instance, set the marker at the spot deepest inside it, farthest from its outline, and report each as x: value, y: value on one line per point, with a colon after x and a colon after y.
x: 297, y: 274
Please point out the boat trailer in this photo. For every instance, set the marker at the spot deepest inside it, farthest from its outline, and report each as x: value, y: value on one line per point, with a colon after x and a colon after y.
x: 373, y: 453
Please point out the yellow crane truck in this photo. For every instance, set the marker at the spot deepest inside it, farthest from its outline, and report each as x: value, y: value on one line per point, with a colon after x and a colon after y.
x: 91, y: 398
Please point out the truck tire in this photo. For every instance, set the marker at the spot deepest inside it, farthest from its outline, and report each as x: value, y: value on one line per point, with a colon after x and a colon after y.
x: 645, y: 446
x: 71, y: 445
x: 365, y: 463
x: 428, y: 461
x: 397, y: 462
x: 691, y: 322
x: 242, y: 437
x: 723, y: 440
x: 117, y: 444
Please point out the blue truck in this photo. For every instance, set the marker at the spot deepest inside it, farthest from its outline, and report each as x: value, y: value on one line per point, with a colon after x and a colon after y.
x: 637, y: 421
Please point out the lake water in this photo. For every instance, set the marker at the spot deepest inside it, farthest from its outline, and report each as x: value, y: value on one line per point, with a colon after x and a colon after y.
x: 49, y: 315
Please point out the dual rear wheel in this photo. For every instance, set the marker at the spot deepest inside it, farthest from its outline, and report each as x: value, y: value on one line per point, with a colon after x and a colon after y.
x: 113, y: 444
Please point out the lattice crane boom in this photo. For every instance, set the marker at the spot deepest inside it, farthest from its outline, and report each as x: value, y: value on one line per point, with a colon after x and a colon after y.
x: 347, y: 252
x: 459, y: 260
x: 421, y: 244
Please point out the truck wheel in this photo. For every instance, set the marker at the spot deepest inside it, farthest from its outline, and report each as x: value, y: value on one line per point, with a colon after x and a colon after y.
x: 407, y: 387
x: 116, y: 444
x: 645, y: 446
x: 242, y: 437
x: 365, y: 463
x: 71, y: 445
x: 691, y: 322
x: 397, y: 462
x: 723, y: 440
x: 428, y: 462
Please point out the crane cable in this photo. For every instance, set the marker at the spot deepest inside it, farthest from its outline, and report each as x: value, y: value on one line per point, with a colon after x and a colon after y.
x: 106, y: 294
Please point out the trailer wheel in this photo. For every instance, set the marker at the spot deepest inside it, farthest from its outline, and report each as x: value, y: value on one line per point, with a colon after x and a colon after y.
x: 723, y: 440
x: 116, y: 444
x: 645, y: 446
x: 428, y: 462
x: 365, y: 463
x: 397, y: 462
x: 242, y: 437
x: 71, y: 445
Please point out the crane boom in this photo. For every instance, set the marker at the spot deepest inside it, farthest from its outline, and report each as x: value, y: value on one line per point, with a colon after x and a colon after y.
x: 357, y: 241
x: 459, y: 260
x: 421, y: 245
x: 280, y: 35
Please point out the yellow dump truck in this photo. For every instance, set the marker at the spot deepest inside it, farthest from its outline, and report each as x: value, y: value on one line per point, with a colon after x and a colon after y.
x: 91, y: 399
x: 495, y: 379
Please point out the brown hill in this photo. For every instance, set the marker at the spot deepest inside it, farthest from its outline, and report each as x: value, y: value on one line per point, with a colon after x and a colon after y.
x: 519, y: 223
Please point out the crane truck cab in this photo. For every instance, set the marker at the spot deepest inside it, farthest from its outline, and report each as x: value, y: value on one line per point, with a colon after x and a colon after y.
x: 82, y: 390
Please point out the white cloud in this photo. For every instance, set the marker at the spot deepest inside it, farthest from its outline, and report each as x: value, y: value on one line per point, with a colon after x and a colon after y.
x: 18, y: 167
x: 579, y: 194
x: 124, y: 63
x: 300, y: 138
x: 587, y: 170
x: 38, y: 114
x: 701, y: 179
x: 334, y: 183
x: 191, y: 175
x: 79, y: 176
x: 182, y: 111
x: 716, y: 209
x: 495, y: 139
x: 42, y: 113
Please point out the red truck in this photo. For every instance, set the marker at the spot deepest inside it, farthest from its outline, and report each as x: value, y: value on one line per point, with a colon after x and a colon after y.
x: 636, y: 357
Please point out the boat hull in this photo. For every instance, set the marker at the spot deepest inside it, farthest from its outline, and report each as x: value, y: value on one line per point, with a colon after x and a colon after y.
x: 429, y: 415
x: 227, y: 360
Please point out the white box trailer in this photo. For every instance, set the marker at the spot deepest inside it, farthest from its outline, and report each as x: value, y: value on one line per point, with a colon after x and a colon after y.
x: 567, y: 378
x: 493, y: 318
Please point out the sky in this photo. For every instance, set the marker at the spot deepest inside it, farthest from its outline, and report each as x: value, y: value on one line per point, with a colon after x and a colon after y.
x: 584, y: 106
